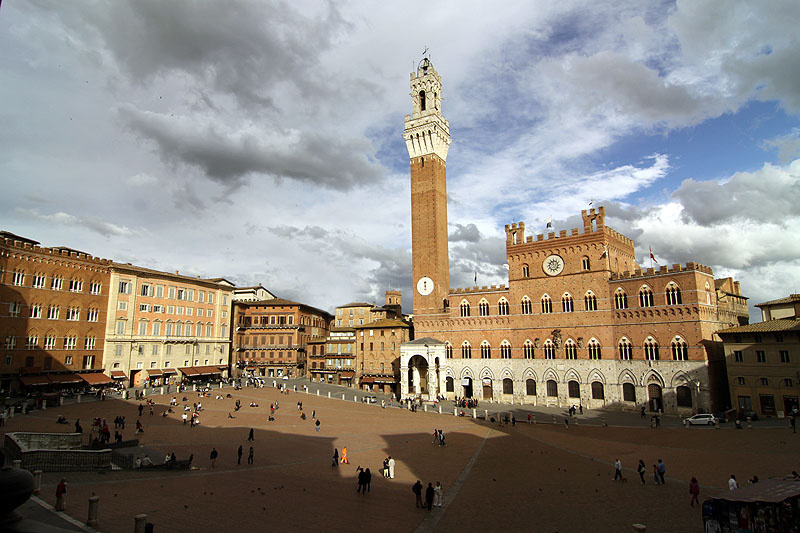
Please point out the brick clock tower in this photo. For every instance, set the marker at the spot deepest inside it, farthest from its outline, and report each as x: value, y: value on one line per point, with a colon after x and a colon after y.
x: 427, y: 136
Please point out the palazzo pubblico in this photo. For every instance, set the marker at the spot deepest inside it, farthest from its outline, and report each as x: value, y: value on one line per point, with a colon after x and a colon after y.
x: 579, y: 321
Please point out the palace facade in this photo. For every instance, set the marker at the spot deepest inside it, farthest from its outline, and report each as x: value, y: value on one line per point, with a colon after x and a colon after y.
x: 579, y: 321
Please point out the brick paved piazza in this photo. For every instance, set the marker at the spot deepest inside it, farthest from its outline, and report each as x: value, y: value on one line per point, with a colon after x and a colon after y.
x: 528, y: 477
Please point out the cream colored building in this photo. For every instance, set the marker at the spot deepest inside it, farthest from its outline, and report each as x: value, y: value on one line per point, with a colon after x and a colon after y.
x: 164, y: 327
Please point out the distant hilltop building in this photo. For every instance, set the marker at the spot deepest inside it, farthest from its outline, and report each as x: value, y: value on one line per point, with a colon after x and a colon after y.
x: 579, y: 322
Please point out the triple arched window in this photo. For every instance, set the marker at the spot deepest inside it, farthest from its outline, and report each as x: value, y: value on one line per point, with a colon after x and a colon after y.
x: 590, y: 301
x: 549, y: 349
x: 673, y: 294
x: 547, y: 304
x: 505, y: 350
x: 465, y: 308
x: 527, y: 349
x: 527, y: 306
x: 651, y: 349
x: 502, y: 307
x: 594, y: 349
x: 466, y: 350
x: 486, y: 350
x: 625, y: 349
x: 620, y: 299
x: 645, y: 297
x: 483, y: 308
x: 566, y: 303
x: 448, y: 351
x: 680, y: 351
x: 570, y: 349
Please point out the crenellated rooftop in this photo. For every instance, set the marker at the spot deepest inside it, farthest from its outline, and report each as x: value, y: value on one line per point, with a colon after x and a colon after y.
x: 642, y: 273
x: 593, y: 222
x: 477, y: 289
x: 26, y: 245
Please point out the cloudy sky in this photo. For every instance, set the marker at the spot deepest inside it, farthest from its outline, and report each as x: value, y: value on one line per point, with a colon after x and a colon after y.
x: 262, y: 141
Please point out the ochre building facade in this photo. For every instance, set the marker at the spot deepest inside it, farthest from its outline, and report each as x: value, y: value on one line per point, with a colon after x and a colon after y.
x: 579, y: 321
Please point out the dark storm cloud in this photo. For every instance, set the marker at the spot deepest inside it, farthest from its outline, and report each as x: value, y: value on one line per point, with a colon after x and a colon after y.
x: 232, y: 157
x: 239, y: 47
x: 464, y: 233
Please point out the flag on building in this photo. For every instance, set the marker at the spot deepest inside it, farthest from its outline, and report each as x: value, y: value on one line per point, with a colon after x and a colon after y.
x: 549, y: 223
x: 476, y: 278
x: 652, y: 257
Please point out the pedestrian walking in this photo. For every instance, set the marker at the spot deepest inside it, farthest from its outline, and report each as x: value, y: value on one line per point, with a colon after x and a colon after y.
x: 435, y: 436
x: 141, y: 409
x: 250, y: 455
x: 335, y: 461
x: 566, y: 423
x: 361, y: 481
x: 239, y: 454
x: 642, y: 411
x: 656, y: 478
x: 213, y: 457
x: 367, y: 479
x: 391, y: 467
x: 662, y: 469
x: 313, y: 414
x: 641, y: 469
x: 251, y: 436
x: 529, y: 418
x: 316, y: 426
x: 732, y: 483
x: 184, y: 418
x: 694, y: 490
x: 344, y: 455
x: 417, y: 490
x: 437, y: 495
x: 61, y: 495
x: 429, y: 492
x: 78, y: 428
x: 793, y: 424
x: 617, y: 470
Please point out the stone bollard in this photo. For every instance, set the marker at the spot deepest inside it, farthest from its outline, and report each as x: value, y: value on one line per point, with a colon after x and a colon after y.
x: 639, y: 527
x: 554, y: 419
x: 295, y: 388
x: 440, y: 409
x: 220, y: 384
x: 455, y: 411
x: 44, y: 404
x: 139, y: 522
x: 60, y: 400
x: 16, y: 464
x: 749, y: 423
x: 317, y: 392
x: 605, y: 424
x: 37, y: 482
x: 425, y: 407
x: 486, y: 414
x: 78, y: 398
x: 329, y: 394
x: 194, y: 386
x: 533, y: 419
x: 474, y: 413
x: 716, y: 424
x: 355, y: 398
x: 94, y: 502
x: 342, y: 396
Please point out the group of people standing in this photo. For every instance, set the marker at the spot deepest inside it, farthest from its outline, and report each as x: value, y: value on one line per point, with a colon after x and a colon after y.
x: 433, y: 495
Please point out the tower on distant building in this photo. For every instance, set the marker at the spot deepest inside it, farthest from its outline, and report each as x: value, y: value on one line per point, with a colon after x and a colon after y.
x: 427, y: 136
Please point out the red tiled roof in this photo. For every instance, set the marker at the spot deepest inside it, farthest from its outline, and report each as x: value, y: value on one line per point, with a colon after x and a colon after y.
x: 768, y: 326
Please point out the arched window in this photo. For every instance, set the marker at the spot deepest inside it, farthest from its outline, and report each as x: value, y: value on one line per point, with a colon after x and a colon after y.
x: 527, y: 349
x: 673, y: 294
x: 625, y: 349
x: 508, y: 386
x: 505, y: 350
x: 570, y: 349
x: 590, y: 301
x: 422, y: 102
x: 645, y: 297
x: 526, y: 271
x: 598, y: 392
x: 464, y: 308
x: 486, y: 350
x: 527, y: 307
x: 574, y: 389
x: 449, y: 385
x: 549, y: 349
x: 566, y: 303
x: 628, y: 392
x: 585, y: 263
x: 595, y: 351
x: 483, y: 308
x: 466, y: 350
x: 708, y: 293
x: 680, y: 352
x: 683, y: 394
x: 530, y: 387
x: 448, y: 351
x: 502, y: 307
x: 547, y: 304
x: 651, y: 349
x: 552, y: 388
x: 620, y: 299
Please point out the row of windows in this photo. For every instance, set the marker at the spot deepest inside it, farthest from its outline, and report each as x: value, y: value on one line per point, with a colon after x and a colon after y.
x: 50, y: 342
x: 764, y: 382
x: 266, y: 320
x: 761, y: 356
x: 154, y: 349
x: 170, y: 309
x: 178, y: 329
x: 166, y: 364
x: 53, y: 312
x: 758, y: 338
x: 173, y: 293
x: 673, y: 297
x: 679, y: 348
x: 87, y: 361
x: 39, y: 281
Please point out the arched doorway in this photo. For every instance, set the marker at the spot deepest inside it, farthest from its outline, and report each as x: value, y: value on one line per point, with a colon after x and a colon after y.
x: 487, y: 388
x: 467, y: 384
x: 654, y: 394
x: 417, y: 375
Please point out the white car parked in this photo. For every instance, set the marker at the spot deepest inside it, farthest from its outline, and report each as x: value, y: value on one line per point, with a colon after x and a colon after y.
x: 702, y: 419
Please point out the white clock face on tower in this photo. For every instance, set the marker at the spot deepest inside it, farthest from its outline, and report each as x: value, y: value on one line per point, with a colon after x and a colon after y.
x: 425, y: 286
x: 553, y: 265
